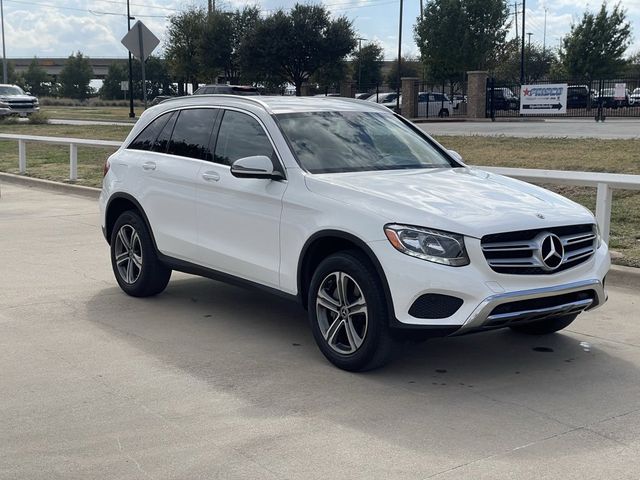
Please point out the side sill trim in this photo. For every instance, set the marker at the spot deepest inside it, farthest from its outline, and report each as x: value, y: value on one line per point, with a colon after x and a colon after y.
x: 193, y: 269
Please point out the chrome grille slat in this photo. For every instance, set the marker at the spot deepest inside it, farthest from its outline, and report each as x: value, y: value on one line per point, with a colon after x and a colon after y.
x: 519, y: 253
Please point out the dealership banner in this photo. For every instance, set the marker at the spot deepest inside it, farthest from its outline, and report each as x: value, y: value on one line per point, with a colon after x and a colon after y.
x: 550, y: 99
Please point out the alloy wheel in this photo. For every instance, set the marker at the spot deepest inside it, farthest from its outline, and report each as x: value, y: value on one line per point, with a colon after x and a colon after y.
x: 128, y: 254
x: 341, y: 311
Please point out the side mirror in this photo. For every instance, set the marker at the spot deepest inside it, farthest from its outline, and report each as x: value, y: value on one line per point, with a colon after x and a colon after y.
x: 258, y: 166
x: 455, y: 155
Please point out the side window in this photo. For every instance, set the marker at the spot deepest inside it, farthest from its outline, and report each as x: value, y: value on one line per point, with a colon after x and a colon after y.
x: 146, y: 139
x: 423, y: 97
x: 192, y: 133
x: 162, y: 141
x: 241, y: 135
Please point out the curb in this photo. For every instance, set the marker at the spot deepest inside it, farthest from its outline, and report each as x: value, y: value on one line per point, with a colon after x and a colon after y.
x: 620, y: 276
x: 59, y: 187
x: 627, y: 277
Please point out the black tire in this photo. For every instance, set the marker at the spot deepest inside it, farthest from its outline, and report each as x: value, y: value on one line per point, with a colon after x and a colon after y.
x: 444, y: 113
x: 544, y: 327
x: 151, y: 277
x: 376, y: 342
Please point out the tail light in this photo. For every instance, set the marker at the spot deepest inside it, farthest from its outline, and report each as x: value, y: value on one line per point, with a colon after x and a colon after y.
x: 106, y: 167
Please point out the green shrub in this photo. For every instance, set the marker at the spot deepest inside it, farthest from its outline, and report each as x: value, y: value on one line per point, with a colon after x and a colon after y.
x: 38, y: 118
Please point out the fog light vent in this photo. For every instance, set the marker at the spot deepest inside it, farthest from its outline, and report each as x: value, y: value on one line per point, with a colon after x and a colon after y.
x: 434, y: 305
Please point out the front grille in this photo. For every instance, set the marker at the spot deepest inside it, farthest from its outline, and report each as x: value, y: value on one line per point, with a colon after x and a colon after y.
x: 20, y: 105
x: 541, y: 308
x: 523, y: 252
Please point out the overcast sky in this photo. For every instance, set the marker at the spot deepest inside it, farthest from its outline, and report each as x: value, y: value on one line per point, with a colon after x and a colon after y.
x: 55, y: 28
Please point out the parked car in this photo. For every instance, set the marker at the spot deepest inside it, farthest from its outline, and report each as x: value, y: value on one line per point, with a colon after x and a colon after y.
x: 457, y: 100
x: 160, y: 99
x: 579, y: 96
x: 504, y: 99
x: 364, y: 95
x: 634, y: 98
x: 19, y: 102
x: 222, y: 89
x: 432, y: 104
x: 389, y: 99
x: 608, y: 99
x: 351, y: 210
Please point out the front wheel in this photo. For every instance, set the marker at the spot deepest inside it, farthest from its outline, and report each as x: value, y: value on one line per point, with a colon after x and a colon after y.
x: 443, y: 113
x: 544, y: 327
x: 348, y: 312
x: 133, y: 258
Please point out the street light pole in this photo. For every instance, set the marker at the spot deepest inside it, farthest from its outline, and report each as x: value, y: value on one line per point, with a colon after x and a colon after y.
x: 399, y: 58
x: 4, y: 51
x: 132, y: 114
x: 360, y: 62
x: 524, y: 12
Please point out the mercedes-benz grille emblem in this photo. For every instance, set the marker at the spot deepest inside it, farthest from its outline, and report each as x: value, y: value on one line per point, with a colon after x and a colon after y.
x: 551, y: 251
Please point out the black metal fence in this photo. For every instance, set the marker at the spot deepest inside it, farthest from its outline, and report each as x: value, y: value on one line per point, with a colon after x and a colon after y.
x: 442, y: 100
x: 586, y: 98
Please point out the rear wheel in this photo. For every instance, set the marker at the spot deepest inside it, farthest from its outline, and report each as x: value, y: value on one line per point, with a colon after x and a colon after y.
x: 443, y: 113
x: 133, y: 258
x: 544, y: 327
x: 348, y: 312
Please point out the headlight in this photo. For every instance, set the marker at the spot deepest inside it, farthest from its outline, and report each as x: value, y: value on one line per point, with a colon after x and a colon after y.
x: 431, y: 245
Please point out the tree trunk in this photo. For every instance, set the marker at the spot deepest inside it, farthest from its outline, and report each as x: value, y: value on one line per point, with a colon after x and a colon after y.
x: 298, y: 84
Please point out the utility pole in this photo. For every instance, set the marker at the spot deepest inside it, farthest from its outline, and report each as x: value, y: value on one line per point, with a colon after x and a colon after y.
x: 515, y: 6
x: 421, y: 10
x: 524, y: 10
x: 360, y: 62
x: 399, y: 58
x: 132, y: 114
x: 5, y: 71
x: 529, y: 47
x: 544, y: 38
x: 212, y: 6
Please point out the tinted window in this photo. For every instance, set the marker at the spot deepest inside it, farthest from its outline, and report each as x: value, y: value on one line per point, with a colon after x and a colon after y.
x: 327, y: 142
x: 192, y: 133
x: 162, y: 141
x: 146, y: 139
x: 240, y: 136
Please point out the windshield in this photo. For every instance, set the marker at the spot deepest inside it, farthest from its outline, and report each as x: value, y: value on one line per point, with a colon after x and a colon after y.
x: 11, y: 91
x: 327, y: 142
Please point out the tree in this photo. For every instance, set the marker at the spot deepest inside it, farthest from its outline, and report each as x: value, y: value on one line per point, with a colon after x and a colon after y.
x: 182, y: 48
x: 596, y: 45
x: 158, y: 78
x: 540, y: 63
x: 294, y: 45
x: 455, y: 36
x: 409, y: 67
x: 116, y: 74
x: 75, y: 77
x: 36, y: 79
x: 367, y: 65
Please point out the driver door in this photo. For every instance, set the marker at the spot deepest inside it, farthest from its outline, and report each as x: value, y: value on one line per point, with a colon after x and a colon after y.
x: 239, y: 218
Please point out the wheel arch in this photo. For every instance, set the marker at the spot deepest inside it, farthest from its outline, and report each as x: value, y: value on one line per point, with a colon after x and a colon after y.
x: 119, y: 203
x: 327, y: 242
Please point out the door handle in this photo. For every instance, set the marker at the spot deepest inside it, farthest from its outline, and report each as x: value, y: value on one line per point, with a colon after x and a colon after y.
x: 211, y: 176
x: 149, y: 166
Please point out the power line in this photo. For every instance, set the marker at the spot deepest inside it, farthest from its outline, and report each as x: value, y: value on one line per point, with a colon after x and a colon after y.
x: 93, y: 12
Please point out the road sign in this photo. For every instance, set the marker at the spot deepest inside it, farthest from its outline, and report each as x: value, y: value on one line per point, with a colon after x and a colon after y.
x: 543, y: 99
x: 620, y: 91
x: 124, y: 86
x: 140, y: 41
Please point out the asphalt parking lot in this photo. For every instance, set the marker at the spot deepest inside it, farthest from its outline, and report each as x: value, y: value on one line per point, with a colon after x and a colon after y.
x: 212, y: 381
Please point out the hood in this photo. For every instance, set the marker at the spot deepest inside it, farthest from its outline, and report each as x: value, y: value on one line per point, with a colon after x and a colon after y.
x: 461, y: 200
x: 21, y: 98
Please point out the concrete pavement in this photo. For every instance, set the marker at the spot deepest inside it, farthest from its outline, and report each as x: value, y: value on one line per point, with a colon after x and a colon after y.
x: 212, y: 381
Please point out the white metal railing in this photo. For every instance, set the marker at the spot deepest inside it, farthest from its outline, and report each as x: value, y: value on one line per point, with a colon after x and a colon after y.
x: 73, y: 148
x: 604, y: 182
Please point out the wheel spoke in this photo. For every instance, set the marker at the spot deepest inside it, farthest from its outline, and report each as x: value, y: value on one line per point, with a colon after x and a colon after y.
x: 358, y: 307
x: 122, y: 257
x: 327, y: 301
x: 354, y: 339
x: 137, y: 260
x: 341, y: 287
x: 130, y: 272
x: 333, y: 330
x: 135, y: 241
x: 123, y: 239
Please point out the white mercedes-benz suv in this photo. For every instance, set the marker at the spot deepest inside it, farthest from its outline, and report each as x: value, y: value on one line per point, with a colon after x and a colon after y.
x: 380, y: 232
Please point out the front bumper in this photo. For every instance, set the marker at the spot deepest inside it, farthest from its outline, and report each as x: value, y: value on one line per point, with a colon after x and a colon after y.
x: 482, y: 290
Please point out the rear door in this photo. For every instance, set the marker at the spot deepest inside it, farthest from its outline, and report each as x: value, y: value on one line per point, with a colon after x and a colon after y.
x: 239, y: 218
x: 170, y: 180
